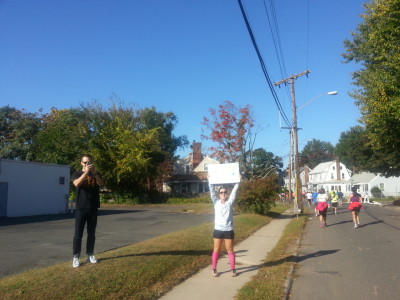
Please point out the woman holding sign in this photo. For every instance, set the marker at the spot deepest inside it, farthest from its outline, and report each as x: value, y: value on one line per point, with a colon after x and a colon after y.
x: 223, y: 228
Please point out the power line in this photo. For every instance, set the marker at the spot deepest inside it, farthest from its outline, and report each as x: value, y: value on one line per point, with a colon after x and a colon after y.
x: 263, y: 67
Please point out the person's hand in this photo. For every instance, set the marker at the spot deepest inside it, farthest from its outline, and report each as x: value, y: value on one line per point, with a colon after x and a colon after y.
x: 86, y: 169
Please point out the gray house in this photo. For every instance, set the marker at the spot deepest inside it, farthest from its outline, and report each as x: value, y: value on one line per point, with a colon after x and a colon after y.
x: 28, y: 188
x: 390, y: 187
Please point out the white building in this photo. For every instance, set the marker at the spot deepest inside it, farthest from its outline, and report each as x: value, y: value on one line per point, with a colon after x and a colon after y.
x: 332, y: 175
x: 304, y: 179
x: 28, y: 188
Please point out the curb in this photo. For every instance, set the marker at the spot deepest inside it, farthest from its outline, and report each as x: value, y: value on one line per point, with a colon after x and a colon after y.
x: 290, y: 279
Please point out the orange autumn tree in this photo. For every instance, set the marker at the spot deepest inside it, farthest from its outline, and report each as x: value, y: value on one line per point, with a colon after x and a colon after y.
x: 230, y: 128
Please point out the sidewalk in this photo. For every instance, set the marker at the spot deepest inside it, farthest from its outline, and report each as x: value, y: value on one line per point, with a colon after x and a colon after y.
x: 249, y: 256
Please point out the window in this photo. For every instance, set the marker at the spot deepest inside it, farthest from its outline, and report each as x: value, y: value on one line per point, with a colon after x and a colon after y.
x: 333, y: 168
x: 61, y: 180
x: 332, y: 176
x: 342, y: 175
x: 382, y: 186
x: 200, y: 187
x: 205, y: 167
x: 187, y: 169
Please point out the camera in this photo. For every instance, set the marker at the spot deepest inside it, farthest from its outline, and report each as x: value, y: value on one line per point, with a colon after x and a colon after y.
x: 89, y: 163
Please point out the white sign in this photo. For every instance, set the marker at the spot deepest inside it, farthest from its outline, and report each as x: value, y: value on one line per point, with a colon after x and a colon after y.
x: 223, y: 173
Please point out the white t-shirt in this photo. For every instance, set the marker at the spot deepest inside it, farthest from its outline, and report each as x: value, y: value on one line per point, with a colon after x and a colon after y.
x: 322, y: 198
x: 223, y: 211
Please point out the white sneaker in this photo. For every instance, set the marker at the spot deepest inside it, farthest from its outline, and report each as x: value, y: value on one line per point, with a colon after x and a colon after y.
x: 75, y: 262
x: 91, y: 259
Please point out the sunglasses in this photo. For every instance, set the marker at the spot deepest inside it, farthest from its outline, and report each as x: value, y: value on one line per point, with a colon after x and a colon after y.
x: 223, y: 192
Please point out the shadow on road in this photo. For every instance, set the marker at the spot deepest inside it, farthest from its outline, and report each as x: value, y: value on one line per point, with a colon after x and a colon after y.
x: 45, y: 218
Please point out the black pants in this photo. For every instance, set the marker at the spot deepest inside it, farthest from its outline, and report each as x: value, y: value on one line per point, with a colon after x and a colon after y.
x: 83, y: 216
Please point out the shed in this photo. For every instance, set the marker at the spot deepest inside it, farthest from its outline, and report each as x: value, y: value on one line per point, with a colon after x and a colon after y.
x: 29, y: 188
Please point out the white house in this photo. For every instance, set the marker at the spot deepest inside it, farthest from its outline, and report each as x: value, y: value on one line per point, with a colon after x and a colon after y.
x: 390, y: 187
x: 28, y: 188
x: 304, y: 178
x: 332, y: 175
x: 190, y: 174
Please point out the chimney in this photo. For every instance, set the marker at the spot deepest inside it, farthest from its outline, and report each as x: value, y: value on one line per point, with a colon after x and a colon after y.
x: 306, y: 177
x: 196, y: 154
x: 337, y: 168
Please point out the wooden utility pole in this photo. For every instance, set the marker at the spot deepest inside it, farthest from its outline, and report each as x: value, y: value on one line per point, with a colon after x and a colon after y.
x: 290, y: 80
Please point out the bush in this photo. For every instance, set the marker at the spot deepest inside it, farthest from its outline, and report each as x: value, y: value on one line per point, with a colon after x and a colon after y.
x: 376, y: 192
x: 257, y: 196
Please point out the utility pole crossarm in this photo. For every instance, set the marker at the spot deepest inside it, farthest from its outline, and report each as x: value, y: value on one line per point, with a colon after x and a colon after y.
x: 291, y: 78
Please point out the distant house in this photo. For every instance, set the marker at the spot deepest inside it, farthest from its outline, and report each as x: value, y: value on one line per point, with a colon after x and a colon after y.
x: 190, y: 174
x: 364, y: 182
x: 304, y: 177
x: 332, y: 175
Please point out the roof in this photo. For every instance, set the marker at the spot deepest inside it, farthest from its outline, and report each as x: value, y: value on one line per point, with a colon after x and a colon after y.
x: 363, y: 177
x: 322, y: 167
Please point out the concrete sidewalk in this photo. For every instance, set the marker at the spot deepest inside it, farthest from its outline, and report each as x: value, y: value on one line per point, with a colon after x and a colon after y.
x: 250, y: 254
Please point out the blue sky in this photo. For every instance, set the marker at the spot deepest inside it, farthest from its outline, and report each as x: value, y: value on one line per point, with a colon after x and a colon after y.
x: 184, y: 56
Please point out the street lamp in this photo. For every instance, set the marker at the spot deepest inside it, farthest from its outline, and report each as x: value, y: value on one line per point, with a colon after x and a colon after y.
x: 308, y: 102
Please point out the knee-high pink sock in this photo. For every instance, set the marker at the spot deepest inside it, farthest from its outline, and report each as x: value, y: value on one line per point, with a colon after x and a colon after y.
x: 214, y: 259
x: 232, y: 260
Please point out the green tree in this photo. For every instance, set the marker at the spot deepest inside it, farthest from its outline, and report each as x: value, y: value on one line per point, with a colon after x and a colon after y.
x: 17, y: 131
x: 131, y: 146
x: 376, y: 45
x: 316, y: 152
x: 353, y: 149
x: 262, y: 163
x: 63, y: 138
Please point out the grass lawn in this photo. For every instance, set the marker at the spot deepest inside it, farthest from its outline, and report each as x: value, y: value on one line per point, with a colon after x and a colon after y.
x: 145, y: 270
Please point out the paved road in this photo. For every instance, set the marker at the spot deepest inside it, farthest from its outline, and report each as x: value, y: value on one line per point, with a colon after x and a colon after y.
x: 340, y: 262
x: 31, y: 242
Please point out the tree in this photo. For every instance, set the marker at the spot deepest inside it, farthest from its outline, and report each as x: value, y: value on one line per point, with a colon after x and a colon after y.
x: 17, y: 131
x: 132, y: 147
x: 262, y: 163
x: 353, y: 149
x: 376, y: 46
x: 316, y: 152
x: 230, y: 127
x: 63, y: 139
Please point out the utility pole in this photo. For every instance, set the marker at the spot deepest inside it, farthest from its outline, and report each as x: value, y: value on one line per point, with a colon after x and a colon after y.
x: 294, y: 128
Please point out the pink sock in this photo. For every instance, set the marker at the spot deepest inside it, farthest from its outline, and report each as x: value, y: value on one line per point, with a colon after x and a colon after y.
x: 232, y: 260
x: 214, y: 260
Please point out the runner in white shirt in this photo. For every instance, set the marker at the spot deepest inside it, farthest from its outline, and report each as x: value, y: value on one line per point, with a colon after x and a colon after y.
x: 223, y: 228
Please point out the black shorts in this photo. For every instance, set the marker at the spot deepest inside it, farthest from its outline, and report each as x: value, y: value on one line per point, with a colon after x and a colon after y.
x: 227, y: 235
x: 334, y: 204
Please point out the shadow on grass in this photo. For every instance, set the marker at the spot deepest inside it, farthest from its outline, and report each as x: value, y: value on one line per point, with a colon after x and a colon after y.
x: 160, y: 253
